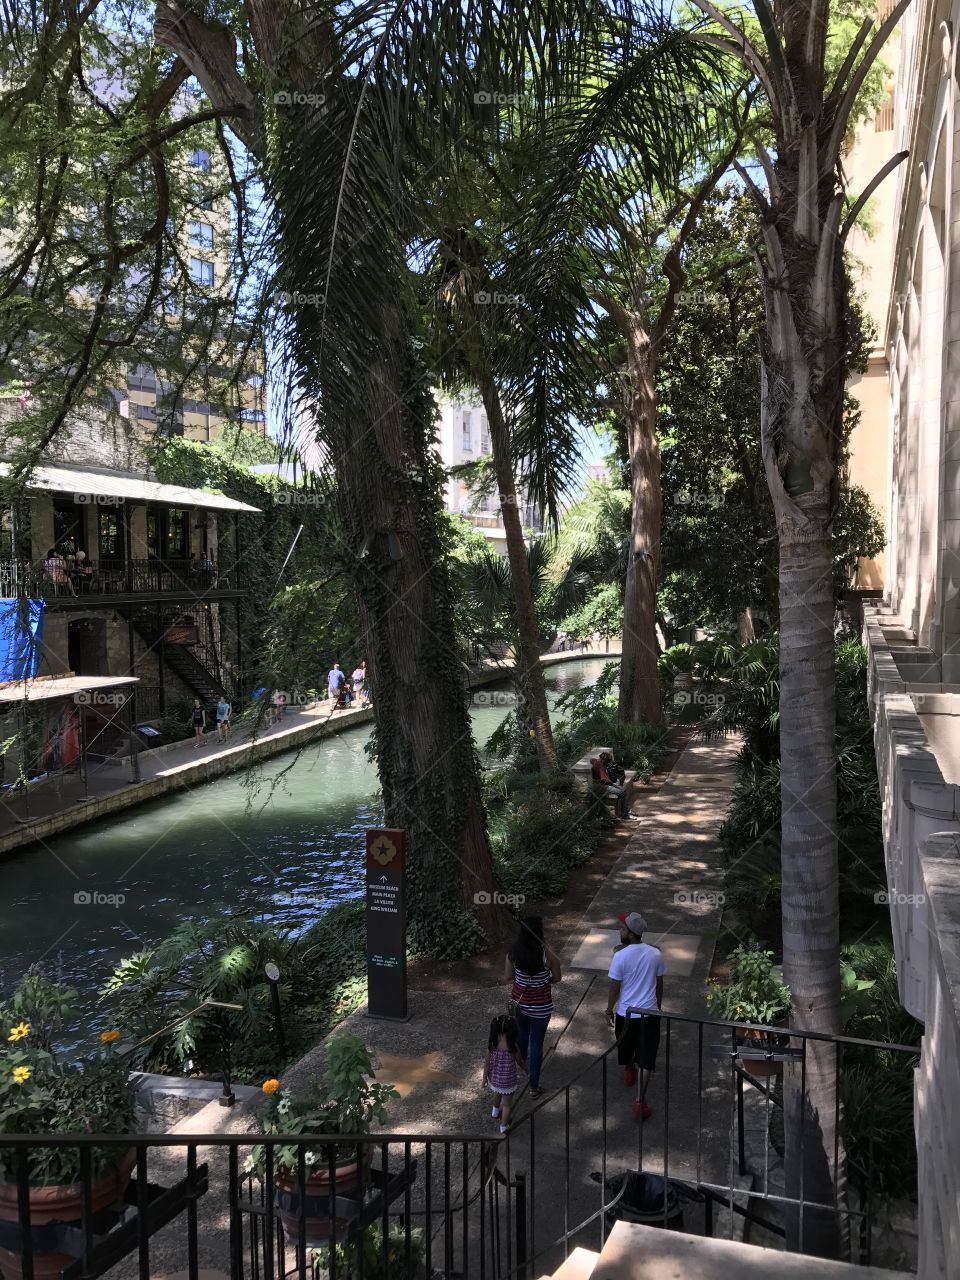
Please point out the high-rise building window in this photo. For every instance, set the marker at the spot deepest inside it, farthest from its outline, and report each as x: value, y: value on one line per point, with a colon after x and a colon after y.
x: 201, y: 272
x: 200, y: 159
x: 467, y: 442
x: 201, y: 235
x: 252, y: 415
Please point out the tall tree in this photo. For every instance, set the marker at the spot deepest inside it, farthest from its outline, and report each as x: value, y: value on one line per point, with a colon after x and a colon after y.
x: 804, y: 220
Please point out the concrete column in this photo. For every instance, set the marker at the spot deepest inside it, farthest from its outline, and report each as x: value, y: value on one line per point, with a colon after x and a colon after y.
x: 137, y: 516
x: 949, y: 637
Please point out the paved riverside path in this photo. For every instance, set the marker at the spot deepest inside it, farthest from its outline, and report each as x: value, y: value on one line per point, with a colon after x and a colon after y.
x: 670, y: 871
x: 64, y: 800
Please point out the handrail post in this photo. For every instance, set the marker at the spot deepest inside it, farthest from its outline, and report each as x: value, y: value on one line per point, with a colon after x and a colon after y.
x: 520, y: 1221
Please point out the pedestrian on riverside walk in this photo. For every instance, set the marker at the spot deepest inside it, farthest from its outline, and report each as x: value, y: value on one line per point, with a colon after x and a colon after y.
x: 224, y: 710
x: 636, y: 982
x: 500, y: 1069
x: 359, y: 679
x: 199, y: 718
x: 335, y: 679
x: 533, y: 971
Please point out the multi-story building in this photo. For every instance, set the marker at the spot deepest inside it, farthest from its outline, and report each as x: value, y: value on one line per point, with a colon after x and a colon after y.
x: 913, y: 637
x: 206, y: 248
x: 464, y: 435
x: 134, y: 577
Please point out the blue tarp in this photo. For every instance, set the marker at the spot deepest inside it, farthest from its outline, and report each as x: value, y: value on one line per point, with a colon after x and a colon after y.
x: 21, y: 632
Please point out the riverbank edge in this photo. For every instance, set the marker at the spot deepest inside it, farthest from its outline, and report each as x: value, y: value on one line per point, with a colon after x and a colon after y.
x: 233, y: 760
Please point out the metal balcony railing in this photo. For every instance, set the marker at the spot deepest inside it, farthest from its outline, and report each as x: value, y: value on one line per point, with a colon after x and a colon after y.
x: 457, y: 1204
x: 63, y: 578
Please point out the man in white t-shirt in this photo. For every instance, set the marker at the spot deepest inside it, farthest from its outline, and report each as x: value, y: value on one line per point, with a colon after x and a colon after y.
x: 636, y: 982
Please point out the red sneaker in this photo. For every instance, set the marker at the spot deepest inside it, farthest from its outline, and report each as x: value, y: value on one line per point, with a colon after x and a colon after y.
x: 629, y: 1076
x: 641, y: 1109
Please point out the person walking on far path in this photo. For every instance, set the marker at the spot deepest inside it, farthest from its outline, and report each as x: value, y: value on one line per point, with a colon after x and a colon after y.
x: 636, y: 982
x: 335, y: 679
x: 359, y: 679
x: 533, y: 973
x: 199, y: 719
x: 223, y: 718
x: 500, y: 1069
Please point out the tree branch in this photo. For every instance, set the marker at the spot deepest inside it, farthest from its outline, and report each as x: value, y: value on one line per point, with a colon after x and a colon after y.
x: 868, y: 191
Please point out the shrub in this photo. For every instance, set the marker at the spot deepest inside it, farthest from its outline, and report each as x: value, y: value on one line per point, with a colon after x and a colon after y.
x: 321, y: 980
x: 538, y: 839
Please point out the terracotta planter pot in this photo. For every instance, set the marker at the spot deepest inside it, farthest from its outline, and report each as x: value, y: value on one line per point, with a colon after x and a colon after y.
x: 758, y: 1067
x: 58, y: 1203
x: 350, y: 1177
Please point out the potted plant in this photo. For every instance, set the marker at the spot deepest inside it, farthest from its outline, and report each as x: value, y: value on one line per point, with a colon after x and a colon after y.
x: 754, y: 993
x: 347, y: 1102
x: 45, y: 1093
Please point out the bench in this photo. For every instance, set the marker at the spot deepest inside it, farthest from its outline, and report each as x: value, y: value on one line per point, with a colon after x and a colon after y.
x: 583, y: 770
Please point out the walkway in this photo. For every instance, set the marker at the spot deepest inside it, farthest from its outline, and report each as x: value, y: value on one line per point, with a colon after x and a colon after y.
x: 65, y: 801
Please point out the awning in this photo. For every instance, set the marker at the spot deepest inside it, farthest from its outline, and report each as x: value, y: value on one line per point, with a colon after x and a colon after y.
x: 114, y: 484
x: 46, y: 689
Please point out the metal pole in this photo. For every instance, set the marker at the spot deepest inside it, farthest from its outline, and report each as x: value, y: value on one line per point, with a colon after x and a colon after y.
x: 520, y: 1218
x: 84, y: 771
x: 132, y: 739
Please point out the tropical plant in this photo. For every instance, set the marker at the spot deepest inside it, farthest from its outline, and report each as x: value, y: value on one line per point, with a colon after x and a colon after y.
x: 166, y: 988
x: 46, y: 1089
x: 346, y: 1102
x: 753, y: 992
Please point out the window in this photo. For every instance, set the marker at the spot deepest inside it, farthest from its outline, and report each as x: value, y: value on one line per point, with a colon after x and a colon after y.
x: 67, y: 526
x: 110, y: 535
x: 201, y: 272
x: 7, y: 540
x: 252, y: 415
x: 153, y: 533
x: 144, y: 412
x: 177, y: 535
x: 467, y: 439
x: 201, y: 235
x: 141, y: 378
x: 255, y: 380
x: 200, y: 159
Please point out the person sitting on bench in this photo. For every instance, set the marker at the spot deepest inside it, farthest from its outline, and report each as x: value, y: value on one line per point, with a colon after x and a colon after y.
x: 605, y: 769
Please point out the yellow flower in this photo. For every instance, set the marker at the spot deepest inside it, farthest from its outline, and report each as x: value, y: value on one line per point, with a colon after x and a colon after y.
x: 739, y: 1009
x: 21, y: 1074
x: 108, y: 1037
x: 19, y: 1031
x: 270, y: 1086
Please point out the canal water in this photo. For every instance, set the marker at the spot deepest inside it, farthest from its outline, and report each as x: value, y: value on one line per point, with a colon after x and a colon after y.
x: 283, y: 848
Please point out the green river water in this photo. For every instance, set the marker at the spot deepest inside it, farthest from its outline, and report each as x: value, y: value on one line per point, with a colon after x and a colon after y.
x: 223, y: 848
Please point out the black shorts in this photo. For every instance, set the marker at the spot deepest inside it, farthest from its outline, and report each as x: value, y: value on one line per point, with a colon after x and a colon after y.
x: 639, y: 1043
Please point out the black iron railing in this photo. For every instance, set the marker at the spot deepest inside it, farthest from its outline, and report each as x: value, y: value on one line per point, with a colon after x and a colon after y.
x: 65, y: 579
x: 457, y: 1205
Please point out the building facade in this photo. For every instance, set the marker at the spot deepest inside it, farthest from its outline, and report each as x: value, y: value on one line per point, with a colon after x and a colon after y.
x: 464, y: 436
x: 135, y: 577
x: 913, y: 635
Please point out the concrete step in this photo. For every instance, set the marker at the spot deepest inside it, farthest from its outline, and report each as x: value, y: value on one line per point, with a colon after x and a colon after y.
x: 633, y: 1252
x: 578, y: 1266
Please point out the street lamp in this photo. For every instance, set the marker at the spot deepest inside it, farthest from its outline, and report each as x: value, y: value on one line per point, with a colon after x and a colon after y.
x: 273, y: 977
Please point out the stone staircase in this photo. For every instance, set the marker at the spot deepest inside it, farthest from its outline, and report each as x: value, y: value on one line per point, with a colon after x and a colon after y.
x: 634, y: 1252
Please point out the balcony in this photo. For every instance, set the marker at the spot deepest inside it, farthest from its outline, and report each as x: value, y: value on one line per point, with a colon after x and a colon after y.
x: 74, y: 584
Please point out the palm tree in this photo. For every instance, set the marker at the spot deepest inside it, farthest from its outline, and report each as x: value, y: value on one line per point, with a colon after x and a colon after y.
x: 804, y: 220
x: 345, y: 107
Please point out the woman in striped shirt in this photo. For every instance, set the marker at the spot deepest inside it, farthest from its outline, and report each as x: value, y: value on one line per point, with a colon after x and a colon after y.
x: 533, y: 972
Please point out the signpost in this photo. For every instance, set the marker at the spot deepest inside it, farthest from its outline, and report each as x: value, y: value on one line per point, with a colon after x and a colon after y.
x: 386, y: 924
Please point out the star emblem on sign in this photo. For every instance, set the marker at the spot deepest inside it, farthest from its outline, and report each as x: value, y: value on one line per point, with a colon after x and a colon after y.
x: 384, y: 850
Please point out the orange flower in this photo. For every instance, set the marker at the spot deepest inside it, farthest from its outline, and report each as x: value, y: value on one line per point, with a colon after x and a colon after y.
x: 270, y: 1086
x: 108, y: 1037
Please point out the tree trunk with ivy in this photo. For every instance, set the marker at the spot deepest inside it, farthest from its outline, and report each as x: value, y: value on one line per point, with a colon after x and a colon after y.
x: 640, y: 700
x: 528, y: 673
x: 354, y: 353
x: 389, y: 494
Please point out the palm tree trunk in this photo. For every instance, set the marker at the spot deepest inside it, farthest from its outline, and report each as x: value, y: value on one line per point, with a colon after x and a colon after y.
x: 640, y: 699
x: 389, y: 492
x: 801, y: 406
x: 529, y: 673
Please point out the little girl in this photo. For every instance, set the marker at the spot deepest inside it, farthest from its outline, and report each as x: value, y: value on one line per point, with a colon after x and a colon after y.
x: 500, y: 1072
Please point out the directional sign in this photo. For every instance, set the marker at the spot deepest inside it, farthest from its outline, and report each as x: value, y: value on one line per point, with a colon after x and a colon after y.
x: 386, y: 924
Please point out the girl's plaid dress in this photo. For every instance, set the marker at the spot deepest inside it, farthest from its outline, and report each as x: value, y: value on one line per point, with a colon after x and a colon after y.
x: 502, y: 1071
